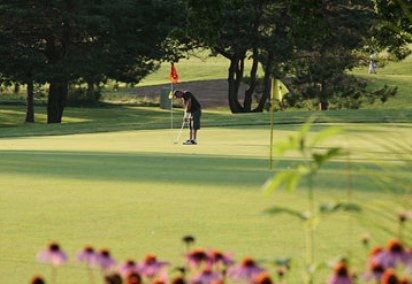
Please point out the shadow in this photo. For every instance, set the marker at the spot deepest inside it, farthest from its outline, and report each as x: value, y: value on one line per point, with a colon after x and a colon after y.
x: 132, y: 167
x: 199, y: 170
x: 123, y: 118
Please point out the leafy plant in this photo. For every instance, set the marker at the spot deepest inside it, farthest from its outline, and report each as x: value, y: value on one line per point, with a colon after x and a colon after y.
x: 313, y: 159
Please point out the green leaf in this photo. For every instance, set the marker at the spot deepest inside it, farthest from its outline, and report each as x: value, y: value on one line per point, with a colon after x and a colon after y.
x: 288, y: 179
x: 281, y: 148
x: 331, y: 153
x: 282, y: 210
x: 303, y: 133
x: 306, y: 126
x: 325, y: 134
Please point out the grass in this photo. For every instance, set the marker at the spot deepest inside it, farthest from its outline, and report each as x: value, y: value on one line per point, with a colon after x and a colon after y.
x: 394, y: 74
x: 111, y: 177
x: 135, y: 192
x: 120, y: 118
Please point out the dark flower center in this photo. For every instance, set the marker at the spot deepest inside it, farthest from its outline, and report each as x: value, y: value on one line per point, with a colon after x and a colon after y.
x: 392, y: 280
x: 105, y: 253
x: 199, y: 255
x: 150, y: 259
x: 89, y: 249
x: 396, y: 247
x: 377, y: 269
x: 375, y: 251
x: 54, y: 247
x: 342, y: 271
x: 178, y: 280
x: 207, y: 271
x: 217, y: 255
x: 248, y: 262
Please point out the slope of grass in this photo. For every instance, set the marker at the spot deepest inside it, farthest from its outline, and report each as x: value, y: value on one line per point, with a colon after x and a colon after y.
x: 394, y: 74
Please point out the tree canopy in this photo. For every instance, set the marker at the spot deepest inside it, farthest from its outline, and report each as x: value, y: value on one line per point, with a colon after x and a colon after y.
x: 63, y: 41
x: 82, y: 40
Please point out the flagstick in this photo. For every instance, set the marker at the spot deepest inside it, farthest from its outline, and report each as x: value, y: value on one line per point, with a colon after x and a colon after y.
x: 171, y: 107
x: 272, y: 123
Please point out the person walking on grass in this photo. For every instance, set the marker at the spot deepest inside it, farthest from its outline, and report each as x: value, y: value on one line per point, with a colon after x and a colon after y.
x: 192, y: 114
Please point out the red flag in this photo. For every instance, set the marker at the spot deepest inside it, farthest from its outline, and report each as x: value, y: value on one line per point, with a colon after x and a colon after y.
x: 173, y: 74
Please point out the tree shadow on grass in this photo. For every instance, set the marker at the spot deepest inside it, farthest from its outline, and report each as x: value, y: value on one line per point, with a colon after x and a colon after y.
x: 122, y: 118
x: 201, y: 170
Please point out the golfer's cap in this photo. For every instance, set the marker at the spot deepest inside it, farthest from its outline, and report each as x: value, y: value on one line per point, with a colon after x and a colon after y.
x: 176, y: 92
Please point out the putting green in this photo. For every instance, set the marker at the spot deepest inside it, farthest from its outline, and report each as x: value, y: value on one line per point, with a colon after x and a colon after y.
x: 136, y: 192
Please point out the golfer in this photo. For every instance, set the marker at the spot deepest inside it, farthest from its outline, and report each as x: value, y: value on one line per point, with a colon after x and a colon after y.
x: 192, y: 114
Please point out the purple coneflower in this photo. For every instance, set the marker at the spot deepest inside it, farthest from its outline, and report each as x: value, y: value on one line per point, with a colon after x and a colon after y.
x: 389, y: 277
x: 393, y: 254
x: 372, y: 255
x: 341, y: 275
x: 248, y: 270
x: 178, y: 280
x: 375, y: 272
x: 409, y: 264
x: 151, y: 266
x: 196, y: 257
x: 53, y: 255
x: 207, y: 276
x: 216, y: 256
x: 133, y: 278
x: 263, y: 278
x: 105, y: 260
x: 128, y: 268
x: 88, y: 256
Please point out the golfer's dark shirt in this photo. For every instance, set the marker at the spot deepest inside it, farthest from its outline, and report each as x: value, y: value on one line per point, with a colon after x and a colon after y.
x: 195, y: 104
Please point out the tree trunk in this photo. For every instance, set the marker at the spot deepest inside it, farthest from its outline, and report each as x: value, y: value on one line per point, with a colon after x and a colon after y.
x: 323, y: 98
x: 234, y: 83
x: 30, y: 103
x: 90, y: 88
x: 56, y: 102
x: 16, y: 88
x: 247, y: 103
x: 267, y: 82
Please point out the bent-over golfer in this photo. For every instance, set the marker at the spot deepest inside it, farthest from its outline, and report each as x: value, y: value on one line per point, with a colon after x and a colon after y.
x: 192, y: 114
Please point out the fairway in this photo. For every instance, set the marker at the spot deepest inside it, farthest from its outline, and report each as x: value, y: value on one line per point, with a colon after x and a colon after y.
x: 135, y: 192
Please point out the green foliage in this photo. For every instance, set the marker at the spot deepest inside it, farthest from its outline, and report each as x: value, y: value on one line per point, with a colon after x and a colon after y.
x: 59, y: 42
x: 340, y: 206
x: 288, y: 211
x: 394, y: 29
x: 313, y: 161
x: 348, y: 92
x: 80, y: 97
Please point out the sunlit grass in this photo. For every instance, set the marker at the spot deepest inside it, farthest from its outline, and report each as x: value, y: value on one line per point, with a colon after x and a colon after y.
x: 136, y: 192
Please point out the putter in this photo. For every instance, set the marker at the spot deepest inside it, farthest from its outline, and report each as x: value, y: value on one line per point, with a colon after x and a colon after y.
x: 180, y: 133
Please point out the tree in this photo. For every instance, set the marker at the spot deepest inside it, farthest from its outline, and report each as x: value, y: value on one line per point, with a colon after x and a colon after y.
x: 394, y: 26
x: 230, y: 28
x: 330, y: 36
x: 88, y: 40
x: 262, y: 30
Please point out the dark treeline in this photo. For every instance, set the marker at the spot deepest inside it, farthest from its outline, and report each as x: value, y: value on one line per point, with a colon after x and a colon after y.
x: 61, y: 42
